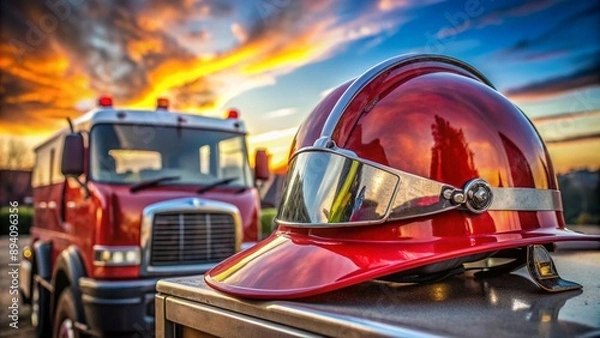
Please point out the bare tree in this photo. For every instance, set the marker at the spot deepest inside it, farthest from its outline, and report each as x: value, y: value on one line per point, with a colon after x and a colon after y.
x: 14, y: 154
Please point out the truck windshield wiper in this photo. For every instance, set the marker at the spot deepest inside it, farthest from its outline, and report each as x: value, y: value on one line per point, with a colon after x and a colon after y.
x: 152, y: 183
x: 216, y: 183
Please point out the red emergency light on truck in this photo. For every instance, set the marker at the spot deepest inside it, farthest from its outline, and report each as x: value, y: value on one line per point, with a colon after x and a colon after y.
x: 125, y: 197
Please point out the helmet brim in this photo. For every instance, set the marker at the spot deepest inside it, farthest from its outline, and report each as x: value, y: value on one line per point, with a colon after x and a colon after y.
x: 292, y: 265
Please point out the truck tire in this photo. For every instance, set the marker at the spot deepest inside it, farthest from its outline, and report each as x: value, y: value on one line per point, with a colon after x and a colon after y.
x: 40, y: 309
x: 65, y: 316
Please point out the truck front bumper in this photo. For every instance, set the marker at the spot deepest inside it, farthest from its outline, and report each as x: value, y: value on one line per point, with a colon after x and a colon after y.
x: 116, y: 307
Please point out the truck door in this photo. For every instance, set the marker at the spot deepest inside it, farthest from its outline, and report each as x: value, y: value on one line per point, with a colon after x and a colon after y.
x: 78, y: 214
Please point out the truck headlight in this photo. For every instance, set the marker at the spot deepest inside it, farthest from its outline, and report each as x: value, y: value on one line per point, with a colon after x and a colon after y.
x: 116, y: 255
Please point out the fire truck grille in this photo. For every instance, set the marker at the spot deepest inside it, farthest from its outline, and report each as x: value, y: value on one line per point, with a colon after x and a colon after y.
x: 192, y: 238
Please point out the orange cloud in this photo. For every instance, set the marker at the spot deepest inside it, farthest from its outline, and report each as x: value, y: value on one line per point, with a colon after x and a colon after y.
x: 143, y: 55
x: 569, y: 126
x: 38, y: 93
x: 570, y: 155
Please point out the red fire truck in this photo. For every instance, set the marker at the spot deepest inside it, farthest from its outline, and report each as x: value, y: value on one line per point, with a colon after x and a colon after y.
x: 124, y: 197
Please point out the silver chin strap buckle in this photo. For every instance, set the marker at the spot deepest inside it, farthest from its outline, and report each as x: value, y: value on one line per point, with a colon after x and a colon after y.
x: 477, y: 196
x: 543, y: 271
x: 539, y: 264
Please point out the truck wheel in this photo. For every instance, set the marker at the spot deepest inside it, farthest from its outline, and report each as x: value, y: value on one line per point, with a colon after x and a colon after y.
x: 65, y: 318
x: 40, y: 307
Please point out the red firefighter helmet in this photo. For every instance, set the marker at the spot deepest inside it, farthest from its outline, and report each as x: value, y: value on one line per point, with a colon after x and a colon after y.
x: 414, y: 168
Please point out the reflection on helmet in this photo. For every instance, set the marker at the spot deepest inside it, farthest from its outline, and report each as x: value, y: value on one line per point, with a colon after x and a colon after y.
x: 416, y: 167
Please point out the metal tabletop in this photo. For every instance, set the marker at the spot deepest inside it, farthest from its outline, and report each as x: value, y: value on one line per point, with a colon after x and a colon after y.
x: 509, y: 305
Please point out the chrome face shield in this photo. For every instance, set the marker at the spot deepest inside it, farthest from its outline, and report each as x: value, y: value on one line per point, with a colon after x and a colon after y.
x: 331, y: 187
x: 324, y: 187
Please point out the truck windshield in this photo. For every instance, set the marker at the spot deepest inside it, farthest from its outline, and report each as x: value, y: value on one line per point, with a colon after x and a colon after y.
x: 130, y: 154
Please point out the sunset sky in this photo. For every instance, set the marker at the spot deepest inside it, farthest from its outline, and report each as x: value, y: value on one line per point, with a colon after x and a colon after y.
x: 275, y: 59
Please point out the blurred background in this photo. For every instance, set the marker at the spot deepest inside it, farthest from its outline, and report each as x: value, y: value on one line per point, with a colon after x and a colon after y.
x: 275, y: 59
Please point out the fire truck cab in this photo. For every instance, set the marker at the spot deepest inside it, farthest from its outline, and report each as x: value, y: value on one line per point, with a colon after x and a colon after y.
x: 124, y: 197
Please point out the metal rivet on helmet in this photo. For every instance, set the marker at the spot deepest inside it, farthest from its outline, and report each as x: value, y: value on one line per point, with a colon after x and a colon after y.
x: 479, y: 195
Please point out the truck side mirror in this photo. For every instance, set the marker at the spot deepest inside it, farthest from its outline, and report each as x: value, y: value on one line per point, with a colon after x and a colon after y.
x: 261, y: 165
x: 72, y: 156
